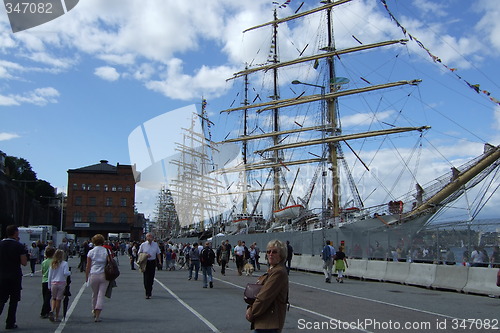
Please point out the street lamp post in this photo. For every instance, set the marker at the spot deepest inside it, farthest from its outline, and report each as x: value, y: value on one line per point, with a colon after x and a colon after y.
x: 323, y: 172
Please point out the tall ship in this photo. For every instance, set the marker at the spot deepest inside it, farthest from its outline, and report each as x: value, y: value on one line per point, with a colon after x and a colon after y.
x: 327, y: 145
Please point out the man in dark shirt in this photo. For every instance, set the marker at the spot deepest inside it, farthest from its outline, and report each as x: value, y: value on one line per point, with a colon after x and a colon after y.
x: 12, y: 256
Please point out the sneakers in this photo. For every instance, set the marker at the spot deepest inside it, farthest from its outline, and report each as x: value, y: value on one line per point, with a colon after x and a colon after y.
x: 11, y: 327
x: 51, y: 316
x: 211, y: 284
x: 327, y: 280
x: 31, y: 274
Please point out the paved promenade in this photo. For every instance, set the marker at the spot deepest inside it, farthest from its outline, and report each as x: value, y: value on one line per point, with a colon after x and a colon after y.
x: 179, y: 305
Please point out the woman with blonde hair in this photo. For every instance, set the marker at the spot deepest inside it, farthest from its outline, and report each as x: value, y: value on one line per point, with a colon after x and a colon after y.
x: 268, y: 311
x: 58, y: 272
x: 96, y: 261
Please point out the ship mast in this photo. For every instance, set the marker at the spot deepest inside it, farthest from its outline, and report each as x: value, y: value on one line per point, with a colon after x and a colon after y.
x: 275, y: 97
x: 331, y: 136
x: 332, y: 108
x: 244, y: 207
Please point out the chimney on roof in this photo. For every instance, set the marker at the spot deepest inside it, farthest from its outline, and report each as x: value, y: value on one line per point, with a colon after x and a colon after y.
x: 104, y: 161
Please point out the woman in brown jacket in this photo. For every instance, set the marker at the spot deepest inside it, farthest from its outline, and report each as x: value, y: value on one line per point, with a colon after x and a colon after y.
x: 267, y: 313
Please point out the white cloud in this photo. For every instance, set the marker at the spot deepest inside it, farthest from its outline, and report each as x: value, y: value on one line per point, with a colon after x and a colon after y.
x: 496, y: 115
x: 431, y: 7
x: 489, y: 23
x: 207, y: 81
x: 8, y: 101
x: 40, y: 97
x: 365, y: 118
x: 107, y: 73
x: 8, y: 136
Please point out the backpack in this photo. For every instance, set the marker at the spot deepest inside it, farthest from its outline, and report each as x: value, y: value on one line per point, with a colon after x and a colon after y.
x: 326, y: 253
x: 207, y: 257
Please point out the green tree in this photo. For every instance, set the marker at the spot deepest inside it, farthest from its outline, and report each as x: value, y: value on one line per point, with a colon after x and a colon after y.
x: 19, y: 168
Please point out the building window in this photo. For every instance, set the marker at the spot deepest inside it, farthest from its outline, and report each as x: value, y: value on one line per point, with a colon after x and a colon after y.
x: 106, y: 188
x: 108, y: 217
x: 77, y: 217
x: 109, y: 202
x: 123, y: 218
x: 92, y: 217
x: 120, y: 188
x: 127, y: 189
x: 113, y: 188
x: 78, y: 201
x: 75, y: 186
x: 92, y: 201
x: 97, y: 187
x: 123, y: 202
x: 89, y: 187
x: 84, y: 187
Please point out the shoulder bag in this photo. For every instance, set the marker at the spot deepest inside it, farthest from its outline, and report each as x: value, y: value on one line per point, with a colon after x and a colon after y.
x: 251, y: 292
x: 111, y: 271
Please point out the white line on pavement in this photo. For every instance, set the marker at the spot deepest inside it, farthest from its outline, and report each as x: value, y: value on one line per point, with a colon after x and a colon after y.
x: 377, y: 301
x: 193, y: 311
x: 70, y: 310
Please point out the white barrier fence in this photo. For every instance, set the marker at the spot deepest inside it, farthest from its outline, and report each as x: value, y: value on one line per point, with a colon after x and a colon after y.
x: 475, y: 280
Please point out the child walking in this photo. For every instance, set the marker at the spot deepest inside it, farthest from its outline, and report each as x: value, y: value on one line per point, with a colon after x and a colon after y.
x: 49, y: 253
x: 58, y: 272
x: 340, y: 264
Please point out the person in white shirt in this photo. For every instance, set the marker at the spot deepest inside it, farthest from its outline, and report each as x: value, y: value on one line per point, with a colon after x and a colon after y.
x: 58, y: 272
x: 153, y: 253
x: 239, y: 252
x: 95, y: 277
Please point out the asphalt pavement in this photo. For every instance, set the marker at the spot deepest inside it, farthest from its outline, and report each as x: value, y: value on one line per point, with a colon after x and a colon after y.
x: 180, y: 305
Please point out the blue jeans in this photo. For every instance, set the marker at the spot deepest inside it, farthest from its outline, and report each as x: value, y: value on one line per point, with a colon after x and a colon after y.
x: 207, y: 275
x: 196, y: 265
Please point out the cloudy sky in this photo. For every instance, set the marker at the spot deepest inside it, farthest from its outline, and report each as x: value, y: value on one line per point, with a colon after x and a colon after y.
x: 72, y: 90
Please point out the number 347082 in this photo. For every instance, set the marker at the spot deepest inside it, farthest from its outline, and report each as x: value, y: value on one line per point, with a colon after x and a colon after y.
x: 29, y: 8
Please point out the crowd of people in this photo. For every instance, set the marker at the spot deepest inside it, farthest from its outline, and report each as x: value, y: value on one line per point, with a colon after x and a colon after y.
x: 151, y: 255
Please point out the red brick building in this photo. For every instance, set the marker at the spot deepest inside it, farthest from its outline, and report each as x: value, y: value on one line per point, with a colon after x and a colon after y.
x: 101, y: 200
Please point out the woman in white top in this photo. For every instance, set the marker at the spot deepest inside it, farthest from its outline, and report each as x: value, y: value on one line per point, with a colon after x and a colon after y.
x: 96, y: 260
x: 58, y: 272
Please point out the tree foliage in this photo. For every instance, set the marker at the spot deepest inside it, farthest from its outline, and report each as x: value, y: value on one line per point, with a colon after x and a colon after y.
x: 20, y: 171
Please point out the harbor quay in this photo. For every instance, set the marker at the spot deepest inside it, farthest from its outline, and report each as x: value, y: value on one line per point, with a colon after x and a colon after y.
x: 181, y: 305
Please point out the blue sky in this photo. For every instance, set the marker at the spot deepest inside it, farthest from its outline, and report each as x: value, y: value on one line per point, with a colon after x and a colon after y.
x: 72, y: 90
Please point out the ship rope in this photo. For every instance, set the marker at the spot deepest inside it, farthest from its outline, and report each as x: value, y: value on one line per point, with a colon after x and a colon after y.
x: 475, y: 87
x: 483, y: 200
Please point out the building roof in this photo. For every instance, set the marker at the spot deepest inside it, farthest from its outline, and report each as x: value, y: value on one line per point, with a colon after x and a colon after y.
x: 102, y: 167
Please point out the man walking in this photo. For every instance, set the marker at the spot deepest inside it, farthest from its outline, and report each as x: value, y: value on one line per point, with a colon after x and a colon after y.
x: 12, y: 256
x: 194, y: 261
x: 153, y: 256
x: 327, y: 256
x: 239, y: 254
x: 207, y: 261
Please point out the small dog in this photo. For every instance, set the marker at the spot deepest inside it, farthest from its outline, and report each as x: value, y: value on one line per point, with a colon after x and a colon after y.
x: 248, y: 269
